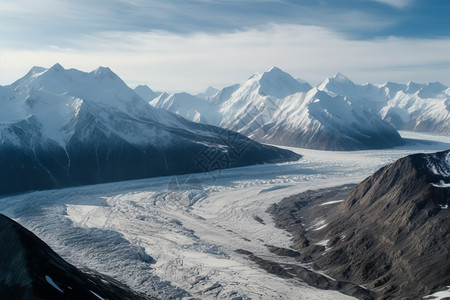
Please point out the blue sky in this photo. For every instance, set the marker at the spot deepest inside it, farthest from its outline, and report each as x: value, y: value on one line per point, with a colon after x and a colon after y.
x: 179, y: 45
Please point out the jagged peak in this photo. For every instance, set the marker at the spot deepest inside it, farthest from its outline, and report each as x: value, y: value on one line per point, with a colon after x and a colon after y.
x: 341, y: 77
x: 336, y: 83
x: 393, y: 84
x: 211, y: 90
x: 278, y: 83
x: 103, y: 71
x: 36, y: 69
x: 56, y: 67
x: 143, y: 87
x: 275, y: 72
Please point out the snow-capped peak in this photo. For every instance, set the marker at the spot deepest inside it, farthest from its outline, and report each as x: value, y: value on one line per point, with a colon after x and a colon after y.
x: 341, y: 77
x: 36, y: 69
x: 57, y: 68
x: 279, y: 84
x: 339, y: 84
x: 274, y: 74
x: 104, y: 72
x: 208, y: 93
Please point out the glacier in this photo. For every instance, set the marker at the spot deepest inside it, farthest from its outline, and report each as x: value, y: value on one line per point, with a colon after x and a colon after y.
x: 176, y: 236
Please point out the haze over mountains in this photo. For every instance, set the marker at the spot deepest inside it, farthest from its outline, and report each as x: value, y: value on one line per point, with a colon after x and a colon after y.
x: 273, y: 107
x: 63, y: 127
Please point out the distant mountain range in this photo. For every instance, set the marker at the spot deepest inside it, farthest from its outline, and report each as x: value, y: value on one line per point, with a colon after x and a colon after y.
x: 338, y: 114
x: 423, y: 107
x: 63, y: 127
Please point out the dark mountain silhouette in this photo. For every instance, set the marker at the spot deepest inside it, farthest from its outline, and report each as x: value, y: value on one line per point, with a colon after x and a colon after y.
x: 30, y: 269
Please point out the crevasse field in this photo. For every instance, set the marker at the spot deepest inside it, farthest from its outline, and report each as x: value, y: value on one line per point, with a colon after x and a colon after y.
x: 185, y: 229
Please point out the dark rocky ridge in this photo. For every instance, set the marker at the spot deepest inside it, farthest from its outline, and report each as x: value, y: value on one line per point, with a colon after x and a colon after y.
x: 292, y: 271
x: 391, y: 233
x: 45, y: 165
x: 30, y: 270
x: 330, y: 139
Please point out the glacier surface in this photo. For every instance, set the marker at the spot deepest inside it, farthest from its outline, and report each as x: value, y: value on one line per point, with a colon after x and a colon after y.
x: 176, y: 236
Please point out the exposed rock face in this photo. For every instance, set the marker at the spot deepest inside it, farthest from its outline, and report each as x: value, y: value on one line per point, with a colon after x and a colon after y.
x: 31, y: 270
x: 391, y: 233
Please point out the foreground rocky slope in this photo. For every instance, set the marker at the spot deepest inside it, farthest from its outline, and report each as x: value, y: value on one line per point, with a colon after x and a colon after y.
x: 391, y: 233
x: 31, y: 270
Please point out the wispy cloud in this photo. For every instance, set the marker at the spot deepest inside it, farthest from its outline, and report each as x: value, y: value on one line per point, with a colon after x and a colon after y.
x: 186, y: 45
x: 395, y: 3
x: 28, y: 23
x: 180, y: 62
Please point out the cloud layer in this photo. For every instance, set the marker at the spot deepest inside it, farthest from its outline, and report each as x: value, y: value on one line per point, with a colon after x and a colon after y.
x: 176, y: 62
x: 186, y: 45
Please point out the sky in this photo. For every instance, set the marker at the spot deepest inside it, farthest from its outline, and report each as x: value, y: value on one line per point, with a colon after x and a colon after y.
x: 188, y: 45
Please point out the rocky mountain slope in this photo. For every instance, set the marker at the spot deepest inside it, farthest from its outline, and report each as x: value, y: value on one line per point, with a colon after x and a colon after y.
x: 391, y: 233
x: 32, y: 270
x: 63, y: 127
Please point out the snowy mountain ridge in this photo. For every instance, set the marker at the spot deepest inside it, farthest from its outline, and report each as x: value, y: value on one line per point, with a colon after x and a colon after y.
x: 68, y: 127
x: 422, y: 107
x: 274, y: 107
x: 321, y: 121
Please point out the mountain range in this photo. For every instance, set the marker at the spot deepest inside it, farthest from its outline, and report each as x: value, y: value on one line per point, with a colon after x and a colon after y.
x: 422, y: 107
x: 273, y: 107
x: 63, y: 127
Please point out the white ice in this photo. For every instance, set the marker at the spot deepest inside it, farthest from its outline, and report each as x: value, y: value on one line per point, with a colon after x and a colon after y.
x: 439, y: 295
x: 192, y: 224
x: 98, y: 296
x: 331, y: 202
x: 53, y: 284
